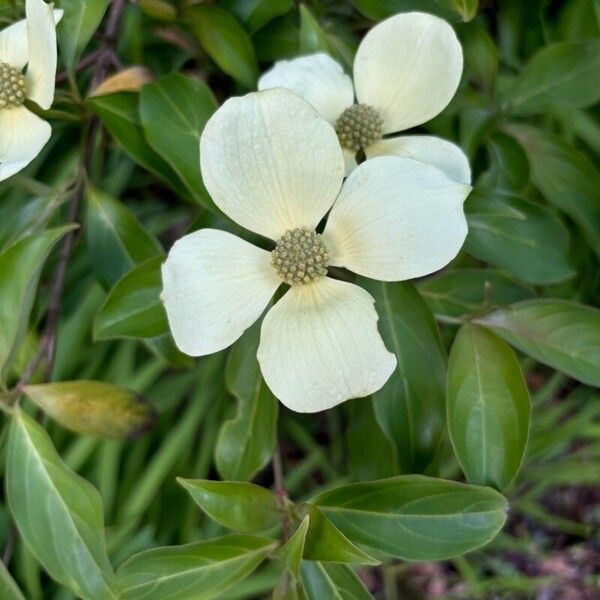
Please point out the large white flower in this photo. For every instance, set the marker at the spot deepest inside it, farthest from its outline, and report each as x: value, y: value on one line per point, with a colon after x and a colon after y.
x: 28, y: 43
x: 273, y: 165
x: 406, y: 71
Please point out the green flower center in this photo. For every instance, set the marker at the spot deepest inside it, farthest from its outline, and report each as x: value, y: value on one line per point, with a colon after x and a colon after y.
x: 300, y: 256
x: 359, y: 126
x: 13, y: 89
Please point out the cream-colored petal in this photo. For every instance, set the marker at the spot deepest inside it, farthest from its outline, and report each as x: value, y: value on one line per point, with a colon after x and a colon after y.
x: 395, y: 219
x: 319, y: 346
x: 215, y: 285
x: 22, y: 136
x: 41, y: 69
x: 408, y: 68
x: 444, y: 155
x: 271, y: 162
x: 316, y: 78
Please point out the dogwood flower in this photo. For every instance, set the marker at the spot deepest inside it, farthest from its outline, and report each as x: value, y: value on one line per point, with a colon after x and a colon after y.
x: 406, y: 71
x: 274, y: 166
x: 32, y: 43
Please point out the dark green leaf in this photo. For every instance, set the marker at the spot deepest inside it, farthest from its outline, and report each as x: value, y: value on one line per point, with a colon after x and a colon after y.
x: 257, y: 13
x: 292, y: 551
x: 59, y: 514
x: 562, y: 334
x: 509, y: 168
x: 409, y: 330
x: 94, y: 408
x: 9, y: 590
x: 237, y: 505
x: 335, y: 582
x: 488, y: 407
x: 524, y: 238
x: 133, y: 307
x: 312, y: 37
x: 481, y: 55
x: 380, y: 9
x: 203, y: 570
x: 413, y: 517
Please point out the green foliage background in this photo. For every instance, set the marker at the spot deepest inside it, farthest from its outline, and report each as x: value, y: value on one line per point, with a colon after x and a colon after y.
x: 494, y: 401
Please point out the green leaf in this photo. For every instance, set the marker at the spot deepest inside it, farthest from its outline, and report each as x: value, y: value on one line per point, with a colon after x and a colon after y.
x: 9, y: 590
x: 312, y: 37
x: 564, y: 75
x: 413, y: 517
x: 488, y: 407
x: 564, y: 335
x: 327, y: 543
x: 237, y: 505
x: 133, y: 308
x: 95, y: 408
x: 467, y: 9
x: 20, y: 269
x: 380, y: 9
x: 292, y: 551
x: 481, y: 55
x: 466, y: 292
x: 245, y: 443
x: 79, y: 23
x: 202, y: 570
x: 173, y: 112
x: 59, y: 514
x: 116, y: 239
x: 225, y: 41
x: 331, y: 581
x: 514, y: 234
x: 566, y: 178
x: 509, y: 168
x: 409, y: 330
x: 257, y: 13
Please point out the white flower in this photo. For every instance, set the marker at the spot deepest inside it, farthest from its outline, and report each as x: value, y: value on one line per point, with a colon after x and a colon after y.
x: 406, y: 71
x: 273, y: 165
x: 32, y: 43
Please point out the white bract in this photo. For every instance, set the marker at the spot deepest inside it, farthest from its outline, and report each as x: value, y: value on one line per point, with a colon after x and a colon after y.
x: 273, y: 165
x: 406, y: 71
x: 28, y: 43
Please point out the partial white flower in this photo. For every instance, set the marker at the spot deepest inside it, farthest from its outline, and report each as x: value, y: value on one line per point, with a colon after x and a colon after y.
x: 30, y: 44
x: 273, y: 165
x: 406, y: 71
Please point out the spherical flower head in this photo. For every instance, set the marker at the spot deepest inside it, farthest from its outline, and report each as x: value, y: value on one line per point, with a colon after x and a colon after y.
x: 358, y: 127
x: 13, y: 87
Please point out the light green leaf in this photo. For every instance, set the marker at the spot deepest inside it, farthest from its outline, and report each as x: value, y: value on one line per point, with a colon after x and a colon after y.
x: 331, y: 581
x: 20, y: 269
x: 59, y: 514
x: 562, y: 334
x: 237, y: 505
x: 79, y: 23
x: 292, y: 551
x: 257, y: 13
x: 566, y: 177
x: 488, y: 407
x: 409, y: 331
x: 201, y: 571
x: 514, y: 234
x: 565, y: 74
x: 467, y: 9
x: 95, y: 408
x: 413, y: 517
x: 245, y: 443
x: 173, y: 112
x: 133, y: 307
x: 225, y: 41
x: 116, y: 239
x: 9, y: 590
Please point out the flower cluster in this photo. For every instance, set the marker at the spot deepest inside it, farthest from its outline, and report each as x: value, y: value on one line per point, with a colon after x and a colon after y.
x: 275, y: 161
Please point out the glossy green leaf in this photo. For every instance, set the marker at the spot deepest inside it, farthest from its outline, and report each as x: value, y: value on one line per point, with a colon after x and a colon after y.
x: 292, y: 551
x: 257, y: 13
x: 133, y: 307
x: 467, y: 9
x: 59, y: 514
x: 225, y: 41
x: 509, y: 168
x: 325, y: 542
x: 488, y: 407
x: 380, y: 9
x: 566, y: 74
x: 524, y: 238
x: 312, y: 37
x: 455, y: 294
x: 331, y: 581
x: 202, y: 571
x: 116, y: 239
x: 566, y: 178
x: 95, y: 408
x: 409, y: 331
x: 237, y: 505
x: 173, y: 112
x: 20, y: 269
x: 9, y: 590
x: 414, y: 517
x: 245, y: 443
x: 564, y: 335
x: 78, y: 24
